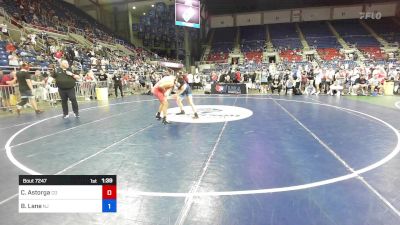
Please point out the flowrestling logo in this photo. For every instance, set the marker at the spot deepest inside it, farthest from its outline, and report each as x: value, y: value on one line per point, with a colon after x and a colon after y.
x: 209, y: 114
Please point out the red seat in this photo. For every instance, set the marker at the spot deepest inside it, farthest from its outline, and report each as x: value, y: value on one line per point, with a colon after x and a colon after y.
x: 254, y: 56
x: 374, y: 53
x: 290, y: 56
x: 328, y: 54
x: 217, y: 57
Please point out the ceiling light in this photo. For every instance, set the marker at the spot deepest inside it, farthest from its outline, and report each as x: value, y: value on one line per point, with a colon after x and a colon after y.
x: 134, y: 7
x: 152, y: 6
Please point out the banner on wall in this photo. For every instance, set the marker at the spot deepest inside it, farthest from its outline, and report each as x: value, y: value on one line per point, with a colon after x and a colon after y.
x: 222, y: 88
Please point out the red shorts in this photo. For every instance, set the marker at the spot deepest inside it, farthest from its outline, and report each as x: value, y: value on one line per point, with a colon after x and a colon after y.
x: 159, y: 94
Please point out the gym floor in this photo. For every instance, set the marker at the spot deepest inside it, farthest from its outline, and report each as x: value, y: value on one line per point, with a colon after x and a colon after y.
x: 300, y: 160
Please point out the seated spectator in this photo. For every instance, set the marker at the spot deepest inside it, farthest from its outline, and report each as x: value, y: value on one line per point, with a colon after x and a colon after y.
x: 10, y: 47
x: 276, y: 84
x: 4, y: 29
x: 375, y: 86
x: 290, y: 85
x: 13, y: 59
x: 360, y: 83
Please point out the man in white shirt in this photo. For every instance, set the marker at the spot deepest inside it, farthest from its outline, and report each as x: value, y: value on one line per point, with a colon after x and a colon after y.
x: 4, y: 29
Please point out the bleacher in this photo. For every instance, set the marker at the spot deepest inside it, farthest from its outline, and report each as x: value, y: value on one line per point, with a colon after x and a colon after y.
x: 222, y: 44
x: 318, y: 35
x: 374, y: 53
x: 290, y: 55
x: 328, y: 54
x: 386, y: 28
x: 252, y: 42
x: 354, y: 33
x: 60, y: 16
x: 284, y: 36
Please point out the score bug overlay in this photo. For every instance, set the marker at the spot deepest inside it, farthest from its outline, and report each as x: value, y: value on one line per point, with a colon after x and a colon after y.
x: 67, y: 194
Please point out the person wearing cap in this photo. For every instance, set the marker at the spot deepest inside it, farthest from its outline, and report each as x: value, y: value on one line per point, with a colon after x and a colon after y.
x: 25, y: 89
x: 66, y: 82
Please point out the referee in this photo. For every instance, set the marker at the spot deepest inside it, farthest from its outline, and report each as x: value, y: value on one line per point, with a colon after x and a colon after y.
x: 66, y: 82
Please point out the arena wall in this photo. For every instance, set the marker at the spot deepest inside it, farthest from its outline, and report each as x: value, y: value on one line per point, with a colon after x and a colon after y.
x: 222, y: 21
x: 278, y: 16
x: 248, y: 19
x: 313, y: 14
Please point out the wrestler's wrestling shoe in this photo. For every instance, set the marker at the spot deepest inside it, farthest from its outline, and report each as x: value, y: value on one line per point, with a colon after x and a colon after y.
x: 181, y: 113
x: 165, y: 121
x: 158, y: 116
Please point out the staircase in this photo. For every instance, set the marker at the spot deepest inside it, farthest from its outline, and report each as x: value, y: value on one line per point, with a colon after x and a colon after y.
x: 206, y: 53
x: 339, y: 38
x: 80, y: 39
x: 236, y: 45
x: 125, y: 50
x: 207, y: 50
x: 14, y: 31
x: 270, y: 47
x: 361, y: 56
x: 375, y: 35
x: 302, y: 39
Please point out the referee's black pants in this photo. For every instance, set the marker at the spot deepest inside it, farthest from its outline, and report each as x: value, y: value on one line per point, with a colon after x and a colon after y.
x: 116, y: 87
x: 66, y: 94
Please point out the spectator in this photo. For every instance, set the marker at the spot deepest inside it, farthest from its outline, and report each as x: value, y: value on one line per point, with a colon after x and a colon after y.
x: 360, y: 83
x: 238, y: 77
x: 13, y: 59
x: 38, y: 83
x: 10, y: 48
x: 7, y: 89
x: 276, y: 84
x: 25, y: 89
x: 4, y: 29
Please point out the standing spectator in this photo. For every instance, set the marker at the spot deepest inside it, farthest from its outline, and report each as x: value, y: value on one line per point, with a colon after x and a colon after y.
x: 25, y: 89
x: 238, y: 77
x: 66, y: 82
x: 7, y: 89
x: 117, y: 78
x: 38, y: 82
x: 102, y: 77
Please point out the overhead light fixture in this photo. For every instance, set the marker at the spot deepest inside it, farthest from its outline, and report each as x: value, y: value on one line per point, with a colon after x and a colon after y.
x: 134, y: 7
x: 152, y: 6
x: 144, y: 14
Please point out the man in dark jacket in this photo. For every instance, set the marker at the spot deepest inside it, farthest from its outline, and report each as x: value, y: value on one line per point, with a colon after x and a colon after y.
x: 117, y: 78
x: 66, y: 82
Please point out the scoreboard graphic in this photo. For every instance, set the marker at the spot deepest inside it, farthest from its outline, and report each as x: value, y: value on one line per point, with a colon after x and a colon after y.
x: 67, y: 194
x: 187, y: 13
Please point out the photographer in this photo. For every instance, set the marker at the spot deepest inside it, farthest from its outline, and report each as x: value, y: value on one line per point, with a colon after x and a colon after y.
x: 66, y: 82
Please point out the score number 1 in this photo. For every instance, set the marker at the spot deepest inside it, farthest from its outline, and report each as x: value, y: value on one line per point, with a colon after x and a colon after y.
x: 109, y: 198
